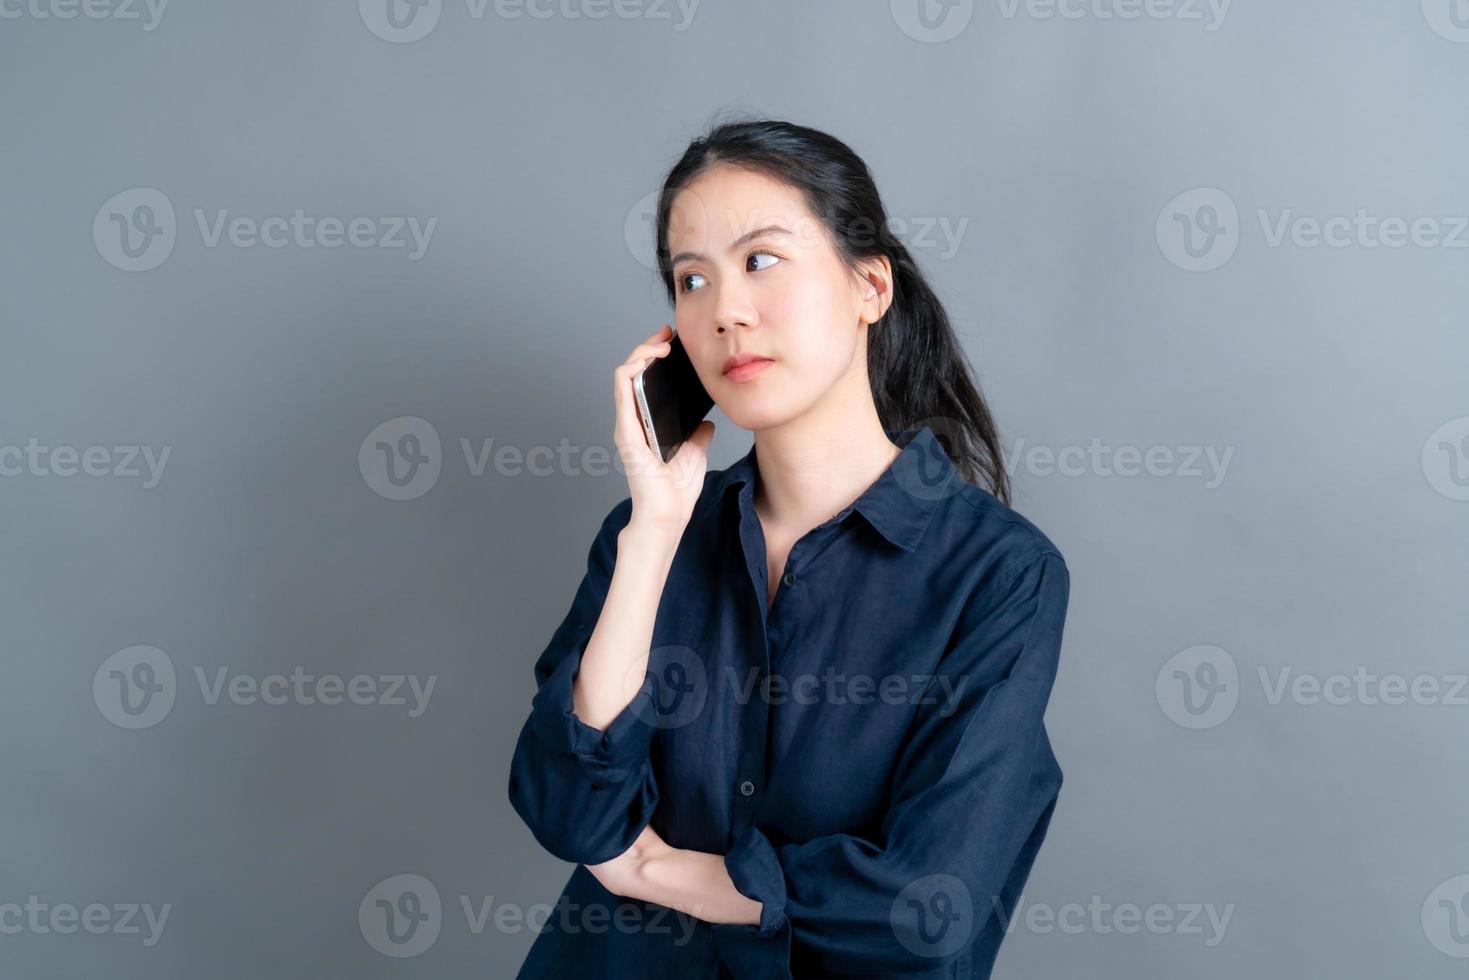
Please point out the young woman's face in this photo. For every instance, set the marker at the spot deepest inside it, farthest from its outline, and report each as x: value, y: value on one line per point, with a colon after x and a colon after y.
x: 755, y: 273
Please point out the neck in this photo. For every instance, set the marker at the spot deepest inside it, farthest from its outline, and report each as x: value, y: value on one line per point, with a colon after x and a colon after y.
x: 815, y: 465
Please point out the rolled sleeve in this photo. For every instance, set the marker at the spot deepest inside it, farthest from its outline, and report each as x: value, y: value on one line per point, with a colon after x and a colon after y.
x: 585, y: 794
x: 763, y: 950
x: 606, y: 757
x: 977, y: 787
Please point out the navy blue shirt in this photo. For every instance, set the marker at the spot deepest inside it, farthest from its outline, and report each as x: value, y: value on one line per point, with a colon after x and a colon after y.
x: 868, y: 754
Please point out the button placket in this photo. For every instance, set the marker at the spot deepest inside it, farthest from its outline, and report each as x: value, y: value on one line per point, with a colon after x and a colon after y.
x: 755, y: 715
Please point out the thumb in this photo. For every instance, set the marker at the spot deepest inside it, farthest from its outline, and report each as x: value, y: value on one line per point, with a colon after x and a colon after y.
x: 703, y: 434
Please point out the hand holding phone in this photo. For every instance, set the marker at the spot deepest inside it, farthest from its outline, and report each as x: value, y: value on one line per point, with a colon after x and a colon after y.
x: 672, y: 401
x: 661, y: 431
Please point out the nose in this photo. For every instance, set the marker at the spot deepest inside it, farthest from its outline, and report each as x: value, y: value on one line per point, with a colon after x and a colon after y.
x: 733, y: 307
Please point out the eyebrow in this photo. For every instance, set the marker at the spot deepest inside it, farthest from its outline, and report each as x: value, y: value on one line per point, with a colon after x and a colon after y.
x: 747, y: 236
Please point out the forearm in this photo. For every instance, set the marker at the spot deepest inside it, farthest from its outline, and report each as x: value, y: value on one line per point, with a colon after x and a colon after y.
x: 692, y: 882
x: 615, y: 660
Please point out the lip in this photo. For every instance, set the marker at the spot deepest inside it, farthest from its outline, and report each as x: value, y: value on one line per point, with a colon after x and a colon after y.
x: 743, y: 367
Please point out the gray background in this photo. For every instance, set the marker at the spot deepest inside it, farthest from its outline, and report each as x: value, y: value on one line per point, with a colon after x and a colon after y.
x: 1335, y: 540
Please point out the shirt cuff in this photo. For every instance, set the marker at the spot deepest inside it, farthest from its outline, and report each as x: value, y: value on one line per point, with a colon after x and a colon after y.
x: 608, y: 757
x: 762, y: 950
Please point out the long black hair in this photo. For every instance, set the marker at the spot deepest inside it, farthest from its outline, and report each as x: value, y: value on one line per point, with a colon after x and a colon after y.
x: 918, y: 371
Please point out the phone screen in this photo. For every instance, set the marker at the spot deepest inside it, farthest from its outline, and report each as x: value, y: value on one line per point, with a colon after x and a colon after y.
x: 676, y: 399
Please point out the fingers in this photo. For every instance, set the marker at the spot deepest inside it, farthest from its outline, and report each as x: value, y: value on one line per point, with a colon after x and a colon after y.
x: 626, y: 416
x: 644, y: 353
x: 627, y: 426
x: 655, y: 346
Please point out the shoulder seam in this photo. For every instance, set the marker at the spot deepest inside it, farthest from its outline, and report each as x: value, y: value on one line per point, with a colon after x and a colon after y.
x: 1041, y: 548
x: 1039, y: 557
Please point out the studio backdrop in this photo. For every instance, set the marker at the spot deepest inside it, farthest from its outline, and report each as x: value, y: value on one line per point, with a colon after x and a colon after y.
x: 307, y: 329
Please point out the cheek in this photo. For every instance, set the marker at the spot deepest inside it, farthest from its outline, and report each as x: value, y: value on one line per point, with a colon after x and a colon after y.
x: 800, y: 311
x: 796, y: 301
x: 813, y: 331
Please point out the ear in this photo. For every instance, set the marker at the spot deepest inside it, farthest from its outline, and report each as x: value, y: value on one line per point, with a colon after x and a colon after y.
x: 874, y: 288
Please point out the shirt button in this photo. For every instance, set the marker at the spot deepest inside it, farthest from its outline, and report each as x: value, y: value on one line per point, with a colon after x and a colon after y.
x: 790, y: 578
x: 747, y: 788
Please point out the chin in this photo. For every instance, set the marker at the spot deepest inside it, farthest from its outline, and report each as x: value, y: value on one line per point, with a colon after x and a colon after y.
x: 757, y: 411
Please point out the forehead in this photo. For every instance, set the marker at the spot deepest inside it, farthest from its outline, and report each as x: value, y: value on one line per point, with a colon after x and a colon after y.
x: 727, y: 202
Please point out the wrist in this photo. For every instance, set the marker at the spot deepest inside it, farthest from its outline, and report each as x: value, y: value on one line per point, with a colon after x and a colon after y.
x: 655, y: 537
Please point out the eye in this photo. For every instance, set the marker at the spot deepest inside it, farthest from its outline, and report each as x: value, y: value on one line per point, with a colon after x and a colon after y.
x: 685, y: 287
x: 768, y: 255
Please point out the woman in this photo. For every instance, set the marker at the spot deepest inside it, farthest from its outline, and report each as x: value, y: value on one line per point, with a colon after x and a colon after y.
x: 798, y: 701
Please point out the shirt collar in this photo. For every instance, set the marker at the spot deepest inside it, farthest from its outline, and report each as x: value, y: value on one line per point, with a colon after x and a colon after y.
x: 902, y: 501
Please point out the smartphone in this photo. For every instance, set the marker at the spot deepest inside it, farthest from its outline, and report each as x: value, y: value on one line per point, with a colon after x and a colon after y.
x: 672, y: 401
